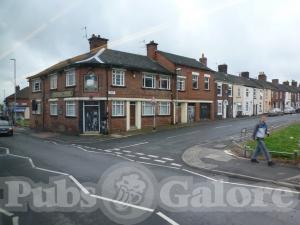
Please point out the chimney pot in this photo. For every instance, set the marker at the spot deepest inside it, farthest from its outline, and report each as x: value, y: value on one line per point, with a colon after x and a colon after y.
x: 294, y: 83
x: 223, y: 68
x: 97, y: 41
x: 245, y: 74
x: 286, y: 83
x: 275, y: 81
x: 203, y: 59
x: 262, y: 76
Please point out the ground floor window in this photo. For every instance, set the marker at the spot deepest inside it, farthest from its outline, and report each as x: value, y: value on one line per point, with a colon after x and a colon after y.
x: 70, y: 108
x: 117, y: 108
x: 53, y: 108
x: 148, y: 109
x: 164, y: 108
x: 220, y: 107
x: 37, y: 108
x: 247, y: 107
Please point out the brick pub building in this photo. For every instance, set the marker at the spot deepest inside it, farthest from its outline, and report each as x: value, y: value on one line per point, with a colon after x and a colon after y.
x: 111, y: 90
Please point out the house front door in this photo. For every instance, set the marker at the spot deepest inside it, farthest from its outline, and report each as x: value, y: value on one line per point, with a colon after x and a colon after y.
x: 191, y: 113
x: 132, y: 115
x: 91, y: 118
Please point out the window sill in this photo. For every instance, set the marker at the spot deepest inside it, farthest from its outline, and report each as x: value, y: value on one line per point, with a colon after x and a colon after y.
x: 53, y: 89
x: 71, y: 86
x: 118, y: 86
x: 54, y: 115
x: 36, y: 91
x: 118, y: 117
x: 150, y: 88
x: 71, y: 117
x: 147, y: 115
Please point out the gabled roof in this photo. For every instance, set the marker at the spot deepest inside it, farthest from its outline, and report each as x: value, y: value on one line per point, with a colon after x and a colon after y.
x: 109, y: 57
x: 265, y: 84
x: 184, y: 61
x: 21, y: 94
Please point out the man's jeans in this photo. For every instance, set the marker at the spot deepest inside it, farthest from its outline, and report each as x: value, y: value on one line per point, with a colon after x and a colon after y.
x: 261, y: 147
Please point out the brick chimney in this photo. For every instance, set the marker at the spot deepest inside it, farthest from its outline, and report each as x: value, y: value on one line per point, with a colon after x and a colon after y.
x: 275, y: 81
x: 245, y: 74
x: 151, y: 49
x: 17, y: 88
x: 203, y: 60
x: 262, y: 76
x: 286, y: 83
x: 294, y: 83
x: 223, y: 68
x: 96, y: 41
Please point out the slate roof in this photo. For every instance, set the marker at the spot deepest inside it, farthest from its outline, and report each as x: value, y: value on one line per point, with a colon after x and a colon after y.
x: 265, y: 84
x: 22, y: 94
x: 109, y: 57
x: 184, y: 61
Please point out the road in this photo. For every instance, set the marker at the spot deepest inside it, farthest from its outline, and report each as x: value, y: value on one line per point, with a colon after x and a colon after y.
x: 86, y: 165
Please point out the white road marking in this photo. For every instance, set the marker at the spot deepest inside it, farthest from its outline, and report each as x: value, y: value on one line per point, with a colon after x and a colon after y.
x: 175, y: 164
x: 118, y: 153
x: 51, y: 171
x: 168, y: 159
x: 153, y: 156
x: 223, y: 126
x: 133, y: 145
x: 161, y: 161
x: 6, y: 150
x: 131, y: 156
x: 107, y: 151
x: 15, y: 220
x: 139, y: 153
x: 200, y: 175
x: 126, y: 151
x: 5, y: 212
x: 169, y: 220
x: 159, y: 165
x: 144, y: 158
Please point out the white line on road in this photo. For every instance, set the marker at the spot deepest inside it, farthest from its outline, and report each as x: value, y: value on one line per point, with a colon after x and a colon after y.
x: 15, y: 219
x: 107, y: 150
x: 223, y: 126
x: 139, y: 153
x: 85, y: 191
x: 144, y: 158
x: 198, y: 174
x: 6, y: 150
x: 153, y: 156
x: 175, y: 164
x: 131, y: 156
x: 5, y: 212
x: 133, y: 145
x: 161, y: 161
x: 168, y: 159
x: 126, y: 151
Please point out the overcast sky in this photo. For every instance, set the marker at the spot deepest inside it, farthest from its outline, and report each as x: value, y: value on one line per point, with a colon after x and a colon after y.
x: 248, y: 35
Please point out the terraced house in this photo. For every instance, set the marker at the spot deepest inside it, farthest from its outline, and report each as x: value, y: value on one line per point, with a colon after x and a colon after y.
x: 102, y: 90
x: 194, y: 92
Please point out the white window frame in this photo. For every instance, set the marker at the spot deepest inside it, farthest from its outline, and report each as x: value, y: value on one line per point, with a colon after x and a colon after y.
x: 247, y: 92
x: 230, y: 90
x: 207, y: 81
x: 34, y: 82
x: 254, y: 93
x: 195, y: 78
x: 180, y: 83
x: 85, y: 85
x: 148, y: 104
x: 239, y: 92
x: 53, y: 112
x: 247, y: 107
x: 53, y: 81
x: 38, y: 110
x: 70, y: 73
x: 118, y: 75
x: 149, y: 76
x: 220, y: 107
x: 68, y: 112
x: 167, y: 106
x: 164, y: 78
x: 118, y: 108
x: 219, y: 88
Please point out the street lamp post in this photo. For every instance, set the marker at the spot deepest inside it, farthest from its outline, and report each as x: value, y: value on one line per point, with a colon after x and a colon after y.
x: 15, y: 96
x: 178, y: 71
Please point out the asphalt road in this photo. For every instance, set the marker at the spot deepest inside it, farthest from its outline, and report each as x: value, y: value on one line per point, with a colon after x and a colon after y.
x: 144, y: 166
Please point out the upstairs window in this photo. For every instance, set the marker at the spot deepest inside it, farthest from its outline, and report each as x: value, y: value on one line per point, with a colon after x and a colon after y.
x: 230, y: 90
x: 206, y: 82
x: 239, y: 92
x: 164, y: 82
x: 254, y: 93
x: 36, y: 85
x: 53, y: 81
x: 180, y: 83
x: 219, y: 89
x: 118, y: 77
x: 70, y: 78
x: 195, y: 80
x: 149, y: 81
x: 90, y: 82
x: 247, y: 93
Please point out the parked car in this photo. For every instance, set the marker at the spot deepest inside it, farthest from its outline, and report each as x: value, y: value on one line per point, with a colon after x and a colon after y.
x: 6, y: 128
x: 289, y: 110
x: 298, y: 110
x: 275, y: 112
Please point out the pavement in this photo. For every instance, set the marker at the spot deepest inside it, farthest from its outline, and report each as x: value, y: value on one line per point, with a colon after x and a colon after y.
x: 84, y: 160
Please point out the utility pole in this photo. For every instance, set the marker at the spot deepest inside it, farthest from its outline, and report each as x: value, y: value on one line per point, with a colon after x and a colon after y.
x: 15, y: 87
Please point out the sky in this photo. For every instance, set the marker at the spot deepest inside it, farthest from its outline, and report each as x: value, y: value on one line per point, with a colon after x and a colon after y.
x: 247, y: 35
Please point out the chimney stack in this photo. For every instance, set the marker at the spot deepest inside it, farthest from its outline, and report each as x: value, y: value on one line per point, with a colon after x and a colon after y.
x: 294, y: 83
x: 245, y: 74
x: 262, y: 76
x: 223, y: 68
x: 151, y: 49
x: 97, y: 41
x: 286, y: 83
x: 275, y: 81
x: 17, y: 88
x: 203, y: 60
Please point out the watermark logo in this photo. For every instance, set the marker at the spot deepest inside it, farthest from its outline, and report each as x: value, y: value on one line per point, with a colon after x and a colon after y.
x: 133, y: 188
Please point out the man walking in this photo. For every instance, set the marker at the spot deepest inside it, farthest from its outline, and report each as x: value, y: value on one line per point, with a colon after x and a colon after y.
x: 260, y: 131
